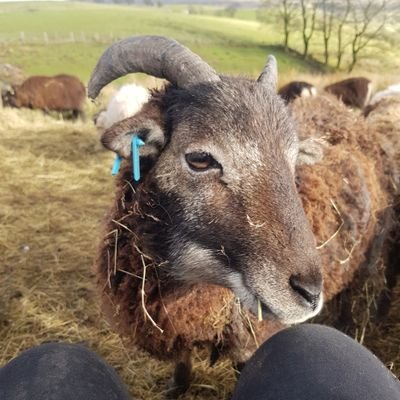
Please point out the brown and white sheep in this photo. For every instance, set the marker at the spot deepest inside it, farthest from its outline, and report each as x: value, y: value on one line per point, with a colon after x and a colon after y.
x: 354, y: 92
x: 182, y: 249
x: 295, y: 89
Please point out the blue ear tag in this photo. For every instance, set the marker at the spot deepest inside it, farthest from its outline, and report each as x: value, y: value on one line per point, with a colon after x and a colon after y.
x: 116, y: 166
x: 136, y: 144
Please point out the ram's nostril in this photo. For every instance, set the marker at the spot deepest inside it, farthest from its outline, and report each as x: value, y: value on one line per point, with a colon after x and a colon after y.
x: 310, y: 291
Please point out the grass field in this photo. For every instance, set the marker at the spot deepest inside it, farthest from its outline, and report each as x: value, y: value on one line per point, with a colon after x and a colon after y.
x: 231, y: 45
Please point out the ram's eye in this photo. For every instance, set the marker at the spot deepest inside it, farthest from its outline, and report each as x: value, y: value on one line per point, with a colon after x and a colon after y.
x: 200, y: 161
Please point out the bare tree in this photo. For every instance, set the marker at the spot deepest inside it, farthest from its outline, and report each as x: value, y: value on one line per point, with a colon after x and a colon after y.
x: 328, y: 11
x: 368, y: 21
x: 343, y: 19
x: 288, y: 12
x: 308, y: 15
x: 284, y: 11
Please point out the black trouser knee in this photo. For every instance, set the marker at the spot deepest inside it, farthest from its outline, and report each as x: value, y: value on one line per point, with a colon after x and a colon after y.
x: 58, y: 371
x: 313, y: 362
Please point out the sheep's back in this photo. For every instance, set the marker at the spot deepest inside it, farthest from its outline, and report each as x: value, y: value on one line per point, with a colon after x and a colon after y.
x: 346, y: 194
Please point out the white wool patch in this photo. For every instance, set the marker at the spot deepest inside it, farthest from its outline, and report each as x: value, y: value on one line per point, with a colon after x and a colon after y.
x: 393, y: 90
x: 305, y: 92
x: 308, y: 91
x: 127, y: 102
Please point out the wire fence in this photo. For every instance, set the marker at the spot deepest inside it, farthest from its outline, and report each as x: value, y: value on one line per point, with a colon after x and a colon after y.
x: 58, y: 38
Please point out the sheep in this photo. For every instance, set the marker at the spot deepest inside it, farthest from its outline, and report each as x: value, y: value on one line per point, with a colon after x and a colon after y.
x: 59, y: 93
x: 295, y: 89
x: 383, y: 117
x: 359, y: 176
x: 354, y: 92
x: 128, y: 101
x: 190, y: 253
x: 199, y: 114
x: 390, y: 91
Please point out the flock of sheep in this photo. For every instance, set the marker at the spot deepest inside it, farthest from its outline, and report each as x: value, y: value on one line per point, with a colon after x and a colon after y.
x: 253, y: 203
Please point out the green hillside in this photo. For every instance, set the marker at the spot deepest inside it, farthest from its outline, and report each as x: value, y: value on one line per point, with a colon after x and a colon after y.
x: 49, y: 38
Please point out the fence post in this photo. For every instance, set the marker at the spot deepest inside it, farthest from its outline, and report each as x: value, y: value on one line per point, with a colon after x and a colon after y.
x: 22, y: 37
x: 45, y: 37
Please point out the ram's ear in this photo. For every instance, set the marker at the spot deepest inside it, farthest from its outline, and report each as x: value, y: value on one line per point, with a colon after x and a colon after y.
x: 148, y: 124
x: 311, y: 151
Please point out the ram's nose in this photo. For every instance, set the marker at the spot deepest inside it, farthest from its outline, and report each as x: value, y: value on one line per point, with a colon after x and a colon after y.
x: 308, y: 287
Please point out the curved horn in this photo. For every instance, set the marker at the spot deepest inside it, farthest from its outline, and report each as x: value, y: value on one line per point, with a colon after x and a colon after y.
x: 269, y: 75
x: 154, y: 55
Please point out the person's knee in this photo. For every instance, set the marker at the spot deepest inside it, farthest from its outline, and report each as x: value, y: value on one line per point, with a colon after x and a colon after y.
x: 60, y: 371
x: 54, y: 358
x: 306, y: 361
x: 306, y: 335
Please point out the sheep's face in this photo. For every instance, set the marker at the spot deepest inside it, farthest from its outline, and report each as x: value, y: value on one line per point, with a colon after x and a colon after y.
x: 8, y: 98
x: 225, y: 178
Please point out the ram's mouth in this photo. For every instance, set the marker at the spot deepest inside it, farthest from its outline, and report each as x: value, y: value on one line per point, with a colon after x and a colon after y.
x: 249, y: 300
x: 299, y: 312
x: 253, y: 303
x: 263, y: 311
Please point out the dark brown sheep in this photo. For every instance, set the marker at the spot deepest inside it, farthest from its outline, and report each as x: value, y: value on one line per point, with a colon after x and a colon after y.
x: 352, y: 206
x: 354, y: 92
x: 295, y: 89
x: 59, y: 93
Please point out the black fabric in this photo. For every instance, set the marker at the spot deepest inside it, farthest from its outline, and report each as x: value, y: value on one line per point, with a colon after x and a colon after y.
x: 314, y: 362
x: 57, y: 371
x: 306, y: 362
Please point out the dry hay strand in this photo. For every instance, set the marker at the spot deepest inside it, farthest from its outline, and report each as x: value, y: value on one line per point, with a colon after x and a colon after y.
x: 55, y: 188
x: 384, y: 339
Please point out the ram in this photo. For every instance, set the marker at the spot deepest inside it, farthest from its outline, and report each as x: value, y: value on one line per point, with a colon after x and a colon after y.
x: 59, y: 93
x: 212, y: 246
